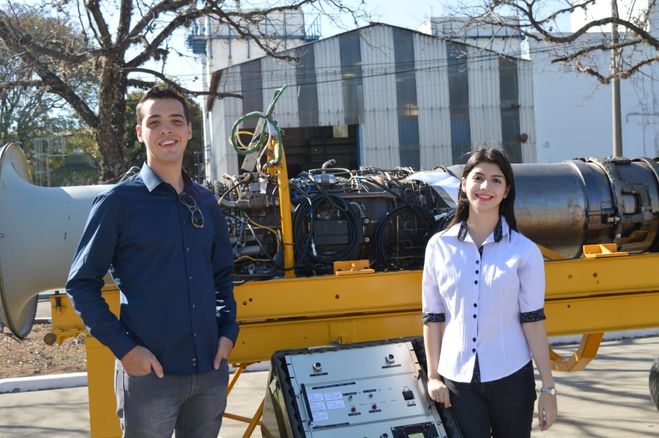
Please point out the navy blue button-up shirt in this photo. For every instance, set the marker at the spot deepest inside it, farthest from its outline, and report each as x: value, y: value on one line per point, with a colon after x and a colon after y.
x: 174, y: 279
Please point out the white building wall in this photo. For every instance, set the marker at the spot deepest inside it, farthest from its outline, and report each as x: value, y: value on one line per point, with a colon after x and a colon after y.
x: 484, y: 98
x: 226, y: 52
x: 224, y: 158
x: 627, y: 10
x: 276, y: 73
x: 432, y: 96
x: 465, y: 30
x: 286, y: 29
x: 378, y: 125
x: 379, y: 146
x: 573, y: 112
x: 327, y: 57
x: 526, y: 113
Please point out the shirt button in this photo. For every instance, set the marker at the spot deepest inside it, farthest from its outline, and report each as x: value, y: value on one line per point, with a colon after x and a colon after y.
x: 474, y: 316
x: 194, y: 334
x: 475, y: 305
x: 473, y: 339
x: 189, y: 277
x: 473, y: 350
x: 476, y: 271
x: 194, y: 306
x: 478, y: 261
x: 475, y: 281
x: 187, y: 249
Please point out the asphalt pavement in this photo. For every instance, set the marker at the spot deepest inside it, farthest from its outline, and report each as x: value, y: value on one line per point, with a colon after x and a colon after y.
x: 608, y: 399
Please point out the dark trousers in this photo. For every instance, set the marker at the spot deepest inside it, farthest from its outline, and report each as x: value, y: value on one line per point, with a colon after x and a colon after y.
x: 502, y: 408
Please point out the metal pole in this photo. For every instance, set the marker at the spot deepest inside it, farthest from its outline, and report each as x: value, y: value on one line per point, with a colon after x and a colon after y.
x: 615, y: 87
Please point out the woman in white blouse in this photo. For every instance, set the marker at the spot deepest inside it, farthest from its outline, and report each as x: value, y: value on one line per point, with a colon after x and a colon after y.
x: 483, y: 310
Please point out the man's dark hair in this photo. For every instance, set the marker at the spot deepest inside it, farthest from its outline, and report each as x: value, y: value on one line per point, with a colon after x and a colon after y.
x: 159, y: 92
x: 506, y: 208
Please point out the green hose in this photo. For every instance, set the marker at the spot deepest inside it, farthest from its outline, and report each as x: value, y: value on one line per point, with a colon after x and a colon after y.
x: 260, y: 136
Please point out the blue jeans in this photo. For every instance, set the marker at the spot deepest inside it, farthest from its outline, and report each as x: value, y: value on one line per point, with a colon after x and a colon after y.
x: 502, y: 408
x: 192, y: 405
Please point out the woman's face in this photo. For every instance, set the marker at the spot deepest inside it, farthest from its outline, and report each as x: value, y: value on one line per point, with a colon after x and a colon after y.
x: 485, y: 187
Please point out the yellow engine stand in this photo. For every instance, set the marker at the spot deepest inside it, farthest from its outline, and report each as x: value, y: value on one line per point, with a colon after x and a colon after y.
x: 584, y: 296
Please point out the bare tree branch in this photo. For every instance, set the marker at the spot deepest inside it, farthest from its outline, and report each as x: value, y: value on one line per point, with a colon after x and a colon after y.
x: 628, y: 72
x: 155, y: 44
x: 239, y: 20
x: 125, y: 14
x: 94, y: 8
x: 146, y: 84
x: 153, y: 13
x: 14, y: 84
x: 602, y: 47
x: 537, y: 21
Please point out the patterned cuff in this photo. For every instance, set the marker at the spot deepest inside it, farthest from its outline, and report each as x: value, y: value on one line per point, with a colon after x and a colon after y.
x: 534, y: 316
x: 434, y: 317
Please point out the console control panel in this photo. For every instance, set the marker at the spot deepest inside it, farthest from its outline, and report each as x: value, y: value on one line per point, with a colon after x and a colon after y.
x: 375, y: 391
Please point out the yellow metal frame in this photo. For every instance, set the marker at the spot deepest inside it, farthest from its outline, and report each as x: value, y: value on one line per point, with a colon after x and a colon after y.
x: 589, y: 296
x: 284, y: 206
x: 255, y: 420
x: 584, y: 296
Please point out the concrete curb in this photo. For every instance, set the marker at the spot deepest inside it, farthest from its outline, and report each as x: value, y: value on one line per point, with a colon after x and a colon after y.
x: 608, y: 336
x: 40, y: 383
x: 74, y: 380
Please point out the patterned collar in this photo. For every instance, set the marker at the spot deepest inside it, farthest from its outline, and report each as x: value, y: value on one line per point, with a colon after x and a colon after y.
x: 498, y: 230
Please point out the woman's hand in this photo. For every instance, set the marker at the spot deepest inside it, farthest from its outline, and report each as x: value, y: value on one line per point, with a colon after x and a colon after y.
x: 547, y: 410
x: 439, y: 392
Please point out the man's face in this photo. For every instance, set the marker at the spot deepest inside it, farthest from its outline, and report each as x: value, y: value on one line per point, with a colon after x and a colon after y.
x: 164, y: 131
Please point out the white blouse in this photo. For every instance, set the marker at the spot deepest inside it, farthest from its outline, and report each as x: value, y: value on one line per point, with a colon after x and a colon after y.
x: 483, y: 299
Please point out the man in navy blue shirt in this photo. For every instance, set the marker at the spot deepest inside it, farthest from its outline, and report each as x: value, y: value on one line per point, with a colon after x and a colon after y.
x: 164, y: 240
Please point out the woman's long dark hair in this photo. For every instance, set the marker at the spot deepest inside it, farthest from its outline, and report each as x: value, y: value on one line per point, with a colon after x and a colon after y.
x: 506, y: 208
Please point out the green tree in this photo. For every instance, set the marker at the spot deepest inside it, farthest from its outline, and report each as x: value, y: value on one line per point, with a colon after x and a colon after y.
x: 117, y: 41
x: 27, y: 111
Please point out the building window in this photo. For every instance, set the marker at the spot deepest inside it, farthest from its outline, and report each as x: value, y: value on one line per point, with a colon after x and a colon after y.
x: 252, y: 88
x: 408, y: 120
x: 351, y: 73
x: 307, y: 98
x: 509, y: 96
x: 458, y: 84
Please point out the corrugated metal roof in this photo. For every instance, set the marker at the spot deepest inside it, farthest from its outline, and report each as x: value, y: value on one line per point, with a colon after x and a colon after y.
x: 389, y: 26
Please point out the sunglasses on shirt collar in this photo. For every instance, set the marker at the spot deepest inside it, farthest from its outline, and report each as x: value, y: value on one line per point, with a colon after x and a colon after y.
x: 196, y: 215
